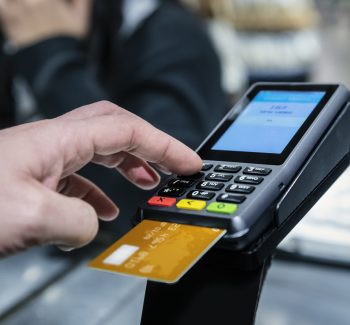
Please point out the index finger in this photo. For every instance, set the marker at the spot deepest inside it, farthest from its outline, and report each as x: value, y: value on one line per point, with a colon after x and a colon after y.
x: 108, y: 134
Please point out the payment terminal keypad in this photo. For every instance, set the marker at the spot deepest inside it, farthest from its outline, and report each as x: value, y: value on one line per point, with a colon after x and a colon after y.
x: 218, y: 189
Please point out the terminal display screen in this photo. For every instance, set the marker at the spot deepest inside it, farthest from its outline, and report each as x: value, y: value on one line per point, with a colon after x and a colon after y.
x: 267, y: 124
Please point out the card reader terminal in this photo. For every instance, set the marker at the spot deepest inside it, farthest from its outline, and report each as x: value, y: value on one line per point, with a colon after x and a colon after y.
x: 252, y: 159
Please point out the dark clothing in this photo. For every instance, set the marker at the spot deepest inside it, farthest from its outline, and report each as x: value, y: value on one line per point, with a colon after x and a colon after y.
x: 167, y: 72
x: 6, y: 100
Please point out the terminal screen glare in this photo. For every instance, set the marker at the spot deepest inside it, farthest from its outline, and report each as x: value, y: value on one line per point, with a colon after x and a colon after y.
x: 269, y: 122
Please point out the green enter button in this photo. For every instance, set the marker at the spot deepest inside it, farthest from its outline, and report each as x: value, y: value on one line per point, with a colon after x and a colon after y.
x: 225, y: 208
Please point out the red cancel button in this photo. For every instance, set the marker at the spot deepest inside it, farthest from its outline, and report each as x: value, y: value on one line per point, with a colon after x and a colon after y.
x: 161, y: 201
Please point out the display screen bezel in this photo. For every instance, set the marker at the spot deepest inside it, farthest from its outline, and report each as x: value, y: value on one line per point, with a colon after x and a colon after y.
x: 206, y: 152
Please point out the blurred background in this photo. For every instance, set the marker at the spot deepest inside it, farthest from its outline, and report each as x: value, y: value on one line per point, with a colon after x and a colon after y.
x: 198, y: 57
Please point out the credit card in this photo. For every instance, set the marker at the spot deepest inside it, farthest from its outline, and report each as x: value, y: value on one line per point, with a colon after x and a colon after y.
x: 159, y: 251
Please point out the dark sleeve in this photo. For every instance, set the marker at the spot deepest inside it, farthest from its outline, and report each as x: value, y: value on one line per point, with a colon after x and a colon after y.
x: 6, y: 100
x: 59, y: 76
x: 170, y: 75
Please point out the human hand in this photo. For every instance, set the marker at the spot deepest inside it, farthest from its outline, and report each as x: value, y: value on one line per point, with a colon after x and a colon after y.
x: 29, y: 21
x: 43, y: 201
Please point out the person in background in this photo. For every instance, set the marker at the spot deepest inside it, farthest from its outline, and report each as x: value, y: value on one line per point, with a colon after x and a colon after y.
x: 151, y: 56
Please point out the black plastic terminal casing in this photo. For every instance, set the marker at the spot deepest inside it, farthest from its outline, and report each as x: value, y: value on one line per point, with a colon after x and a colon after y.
x: 311, y: 182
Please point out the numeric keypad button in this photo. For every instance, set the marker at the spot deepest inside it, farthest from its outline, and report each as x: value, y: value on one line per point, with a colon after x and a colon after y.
x: 257, y: 171
x: 243, y: 189
x: 254, y: 180
x: 194, y: 176
x: 201, y: 195
x: 227, y: 168
x: 213, y: 186
x: 218, y: 177
x: 182, y: 183
x: 207, y: 167
x: 229, y: 198
x: 171, y: 192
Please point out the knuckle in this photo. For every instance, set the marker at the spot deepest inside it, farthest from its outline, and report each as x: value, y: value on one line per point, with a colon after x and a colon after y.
x: 33, y: 221
x: 107, y: 104
x: 164, y: 155
x: 90, y: 226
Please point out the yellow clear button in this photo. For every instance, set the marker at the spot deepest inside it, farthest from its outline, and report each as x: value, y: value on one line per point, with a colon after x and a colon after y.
x: 197, y: 205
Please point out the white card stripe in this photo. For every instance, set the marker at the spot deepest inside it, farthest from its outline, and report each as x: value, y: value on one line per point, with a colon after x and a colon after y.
x: 120, y: 255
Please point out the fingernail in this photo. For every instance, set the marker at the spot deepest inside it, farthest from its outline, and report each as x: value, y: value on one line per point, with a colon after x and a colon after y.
x: 66, y: 248
x: 164, y: 170
x: 110, y: 217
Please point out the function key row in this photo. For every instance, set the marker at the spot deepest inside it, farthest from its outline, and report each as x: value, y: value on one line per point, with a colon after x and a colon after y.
x: 224, y: 207
x: 196, y: 205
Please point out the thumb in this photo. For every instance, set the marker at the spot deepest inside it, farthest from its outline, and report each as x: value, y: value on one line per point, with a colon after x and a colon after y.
x: 69, y: 222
